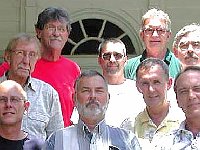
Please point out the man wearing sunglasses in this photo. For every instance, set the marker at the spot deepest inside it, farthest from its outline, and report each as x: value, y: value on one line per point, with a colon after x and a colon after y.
x: 125, y: 100
x: 155, y: 33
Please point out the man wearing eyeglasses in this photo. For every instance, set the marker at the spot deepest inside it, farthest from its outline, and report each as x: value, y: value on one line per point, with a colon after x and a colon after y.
x: 44, y: 115
x: 13, y: 103
x: 186, y: 45
x: 125, y: 100
x: 155, y: 33
x: 53, y: 29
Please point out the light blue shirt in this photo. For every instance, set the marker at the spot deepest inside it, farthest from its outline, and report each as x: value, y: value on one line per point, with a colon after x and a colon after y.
x: 103, y: 137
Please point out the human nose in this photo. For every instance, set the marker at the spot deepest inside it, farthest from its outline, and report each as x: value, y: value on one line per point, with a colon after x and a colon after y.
x: 56, y: 31
x: 26, y: 58
x: 155, y: 33
x: 151, y: 88
x: 8, y: 103
x: 92, y: 93
x: 191, y: 94
x: 112, y: 58
x: 190, y: 48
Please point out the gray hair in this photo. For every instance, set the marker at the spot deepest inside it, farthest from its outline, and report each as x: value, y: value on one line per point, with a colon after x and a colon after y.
x: 110, y: 40
x: 22, y: 37
x: 89, y: 73
x: 156, y: 13
x: 149, y: 62
x: 184, y: 32
x: 51, y: 14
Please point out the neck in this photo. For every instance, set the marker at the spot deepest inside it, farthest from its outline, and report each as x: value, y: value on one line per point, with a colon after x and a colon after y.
x: 114, y: 79
x: 91, y: 123
x: 157, y: 54
x: 192, y: 124
x: 158, y: 113
x: 21, y: 80
x: 51, y: 54
x: 12, y: 132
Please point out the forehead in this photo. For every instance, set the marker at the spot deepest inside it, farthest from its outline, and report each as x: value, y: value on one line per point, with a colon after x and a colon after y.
x: 191, y: 37
x: 152, y: 72
x: 9, y: 90
x: 155, y: 22
x: 57, y: 22
x: 113, y: 47
x: 92, y: 82
x: 26, y: 45
x: 188, y: 78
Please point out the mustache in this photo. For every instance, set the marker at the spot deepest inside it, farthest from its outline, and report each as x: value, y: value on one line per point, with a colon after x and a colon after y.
x: 191, y: 55
x: 112, y: 64
x: 91, y: 102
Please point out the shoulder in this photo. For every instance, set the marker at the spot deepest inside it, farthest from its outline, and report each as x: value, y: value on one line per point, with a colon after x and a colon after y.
x: 165, y: 141
x: 68, y: 62
x: 65, y: 133
x: 32, y: 142
x: 134, y: 60
x: 37, y: 83
x: 121, y: 132
x: 141, y: 118
x: 128, y: 123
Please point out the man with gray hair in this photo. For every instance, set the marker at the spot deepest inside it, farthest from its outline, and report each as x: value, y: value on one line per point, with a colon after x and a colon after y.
x: 91, y: 100
x: 186, y: 45
x: 155, y: 32
x: 44, y: 115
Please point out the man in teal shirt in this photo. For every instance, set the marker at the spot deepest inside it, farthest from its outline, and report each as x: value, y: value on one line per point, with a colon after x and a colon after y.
x: 155, y: 33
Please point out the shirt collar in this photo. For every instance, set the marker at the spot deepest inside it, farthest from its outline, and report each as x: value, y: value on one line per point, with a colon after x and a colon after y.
x: 167, y: 58
x: 184, y: 133
x: 98, y: 129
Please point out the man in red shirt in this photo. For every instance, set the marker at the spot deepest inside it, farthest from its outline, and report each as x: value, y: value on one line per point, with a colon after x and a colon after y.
x: 53, y: 28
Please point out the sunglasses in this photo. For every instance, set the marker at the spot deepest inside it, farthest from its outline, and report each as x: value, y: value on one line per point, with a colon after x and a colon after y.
x: 107, y: 56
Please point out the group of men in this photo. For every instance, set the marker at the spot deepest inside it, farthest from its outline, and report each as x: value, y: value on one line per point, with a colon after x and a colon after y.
x: 130, y: 94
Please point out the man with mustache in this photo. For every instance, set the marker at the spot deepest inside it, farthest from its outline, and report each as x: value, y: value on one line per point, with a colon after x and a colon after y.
x: 44, y: 115
x: 186, y: 45
x: 52, y: 29
x: 125, y: 100
x: 91, y: 100
x: 187, y: 136
x: 155, y: 32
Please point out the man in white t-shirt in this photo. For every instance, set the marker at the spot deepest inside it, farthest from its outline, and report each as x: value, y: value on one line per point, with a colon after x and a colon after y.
x: 125, y: 100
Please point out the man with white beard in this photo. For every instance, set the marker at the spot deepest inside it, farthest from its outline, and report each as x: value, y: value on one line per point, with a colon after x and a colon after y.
x: 91, y: 99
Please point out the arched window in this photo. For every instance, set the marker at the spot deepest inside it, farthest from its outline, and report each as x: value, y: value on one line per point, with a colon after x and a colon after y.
x: 88, y: 33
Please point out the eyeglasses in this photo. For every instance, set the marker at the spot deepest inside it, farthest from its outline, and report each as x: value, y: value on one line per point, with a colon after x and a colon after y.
x: 22, y: 53
x: 107, y: 56
x: 185, y: 46
x: 150, y: 31
x: 52, y: 28
x: 13, y: 99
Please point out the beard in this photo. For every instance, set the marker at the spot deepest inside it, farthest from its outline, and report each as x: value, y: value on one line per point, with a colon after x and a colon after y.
x: 92, y: 109
x: 112, y: 68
